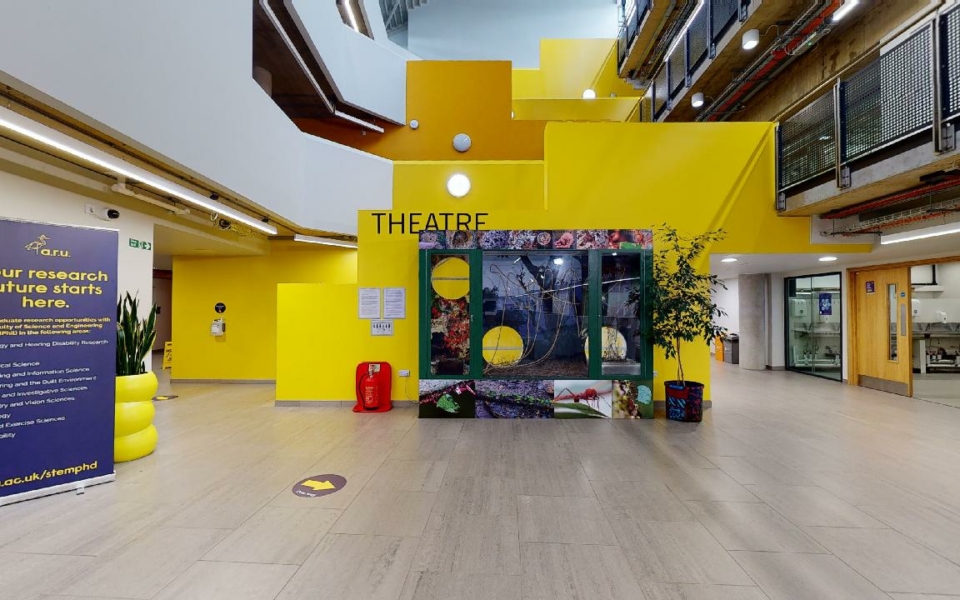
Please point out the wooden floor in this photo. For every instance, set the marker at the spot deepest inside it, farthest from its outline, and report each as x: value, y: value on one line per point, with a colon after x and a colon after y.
x: 792, y: 488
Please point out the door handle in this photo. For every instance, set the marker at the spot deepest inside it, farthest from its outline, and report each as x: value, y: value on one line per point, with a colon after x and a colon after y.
x: 903, y: 319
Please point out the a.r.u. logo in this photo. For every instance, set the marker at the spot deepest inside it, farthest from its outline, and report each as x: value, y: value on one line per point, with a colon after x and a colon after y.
x: 39, y: 246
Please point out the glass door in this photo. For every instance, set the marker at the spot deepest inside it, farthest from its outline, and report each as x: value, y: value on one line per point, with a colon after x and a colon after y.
x: 813, y: 325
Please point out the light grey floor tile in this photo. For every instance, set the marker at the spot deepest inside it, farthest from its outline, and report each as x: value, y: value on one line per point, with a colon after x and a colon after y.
x: 704, y: 484
x: 650, y: 501
x: 893, y: 562
x: 493, y: 461
x: 575, y: 572
x: 759, y: 471
x: 353, y: 567
x: 806, y: 577
x: 752, y: 526
x: 408, y: 476
x: 477, y: 496
x: 570, y: 520
x: 476, y: 544
x: 91, y: 530
x: 145, y: 566
x: 812, y: 506
x: 460, y: 586
x: 922, y: 597
x: 676, y: 553
x: 694, y: 591
x: 276, y: 535
x: 925, y: 522
x: 550, y: 477
x: 615, y: 467
x: 380, y: 512
x: 228, y: 581
x: 27, y: 576
x: 423, y: 448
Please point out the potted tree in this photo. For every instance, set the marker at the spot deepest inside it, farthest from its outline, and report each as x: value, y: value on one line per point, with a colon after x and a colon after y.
x: 134, y: 436
x: 681, y: 309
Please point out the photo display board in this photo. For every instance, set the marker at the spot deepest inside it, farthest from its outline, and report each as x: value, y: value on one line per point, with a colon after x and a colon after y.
x: 535, y: 324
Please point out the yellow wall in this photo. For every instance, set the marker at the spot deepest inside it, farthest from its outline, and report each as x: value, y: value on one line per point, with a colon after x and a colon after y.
x: 598, y: 175
x: 248, y: 286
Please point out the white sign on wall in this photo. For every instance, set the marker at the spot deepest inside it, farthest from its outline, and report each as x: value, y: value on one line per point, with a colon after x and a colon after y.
x: 369, y: 303
x: 394, y: 303
x: 381, y: 327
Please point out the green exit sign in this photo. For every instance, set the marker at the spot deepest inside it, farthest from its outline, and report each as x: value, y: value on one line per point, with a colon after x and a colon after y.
x: 142, y: 245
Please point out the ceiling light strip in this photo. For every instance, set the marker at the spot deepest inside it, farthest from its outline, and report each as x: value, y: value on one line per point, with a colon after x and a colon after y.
x: 920, y: 234
x: 683, y: 30
x: 54, y: 139
x: 310, y: 239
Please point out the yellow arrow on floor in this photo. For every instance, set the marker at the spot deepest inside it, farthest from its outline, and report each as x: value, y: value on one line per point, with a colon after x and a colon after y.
x: 319, y: 485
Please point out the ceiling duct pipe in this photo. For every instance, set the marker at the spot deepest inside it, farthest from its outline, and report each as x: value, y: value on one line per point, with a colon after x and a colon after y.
x: 925, y: 190
x: 806, y: 28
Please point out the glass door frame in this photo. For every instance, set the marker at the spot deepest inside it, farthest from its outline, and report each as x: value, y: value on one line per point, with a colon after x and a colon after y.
x: 786, y: 324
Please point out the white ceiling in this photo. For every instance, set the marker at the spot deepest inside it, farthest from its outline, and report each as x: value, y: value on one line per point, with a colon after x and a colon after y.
x: 946, y: 245
x: 169, y: 242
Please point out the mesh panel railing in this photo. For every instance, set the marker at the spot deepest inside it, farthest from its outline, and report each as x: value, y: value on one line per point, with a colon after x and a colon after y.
x: 807, y: 144
x: 724, y: 14
x: 660, y: 93
x: 890, y: 99
x: 698, y: 38
x: 635, y: 13
x: 950, y: 63
x: 676, y: 70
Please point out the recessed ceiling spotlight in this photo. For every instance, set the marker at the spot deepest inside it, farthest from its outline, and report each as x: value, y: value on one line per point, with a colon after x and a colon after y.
x: 728, y: 259
x: 458, y: 185
x: 828, y: 258
x: 750, y: 39
x: 589, y: 94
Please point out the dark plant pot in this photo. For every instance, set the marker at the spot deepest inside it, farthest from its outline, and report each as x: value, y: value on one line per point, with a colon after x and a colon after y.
x: 684, y: 401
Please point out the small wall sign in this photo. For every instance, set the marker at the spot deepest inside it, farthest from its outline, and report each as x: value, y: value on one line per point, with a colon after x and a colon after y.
x: 381, y: 327
x: 220, y: 308
x: 826, y: 305
x: 141, y: 245
x: 871, y: 287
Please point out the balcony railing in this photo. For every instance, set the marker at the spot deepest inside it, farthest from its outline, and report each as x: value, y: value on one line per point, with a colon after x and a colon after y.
x: 912, y: 89
x: 712, y: 22
x: 635, y: 11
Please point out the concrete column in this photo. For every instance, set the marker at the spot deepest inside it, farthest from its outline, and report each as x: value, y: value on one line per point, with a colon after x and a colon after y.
x: 753, y: 320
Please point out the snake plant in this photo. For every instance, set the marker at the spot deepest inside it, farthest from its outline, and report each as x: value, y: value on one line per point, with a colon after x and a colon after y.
x: 135, y: 336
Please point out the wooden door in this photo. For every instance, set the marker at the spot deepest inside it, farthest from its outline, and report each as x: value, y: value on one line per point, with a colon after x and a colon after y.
x: 881, y: 306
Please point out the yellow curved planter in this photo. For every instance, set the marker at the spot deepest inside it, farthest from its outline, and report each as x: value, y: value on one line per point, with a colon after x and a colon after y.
x: 135, y: 436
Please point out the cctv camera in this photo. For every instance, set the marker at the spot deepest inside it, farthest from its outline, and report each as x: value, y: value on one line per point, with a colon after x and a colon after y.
x: 224, y: 224
x: 107, y: 214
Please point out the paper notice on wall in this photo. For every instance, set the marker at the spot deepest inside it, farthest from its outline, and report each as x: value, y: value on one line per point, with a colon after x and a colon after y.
x: 394, y: 303
x: 369, y: 303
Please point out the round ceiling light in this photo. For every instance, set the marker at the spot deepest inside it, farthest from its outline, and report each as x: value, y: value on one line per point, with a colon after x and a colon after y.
x: 589, y: 94
x: 458, y: 185
x: 697, y: 100
x: 750, y: 39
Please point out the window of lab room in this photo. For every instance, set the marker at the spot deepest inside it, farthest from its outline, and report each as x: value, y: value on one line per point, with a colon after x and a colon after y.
x: 936, y: 332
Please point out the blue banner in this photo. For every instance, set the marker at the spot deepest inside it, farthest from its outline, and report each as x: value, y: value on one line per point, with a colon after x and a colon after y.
x: 58, y: 294
x: 826, y: 305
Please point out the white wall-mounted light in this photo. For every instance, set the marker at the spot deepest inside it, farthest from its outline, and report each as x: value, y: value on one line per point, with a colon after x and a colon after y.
x: 458, y: 185
x: 696, y: 100
x: 683, y: 30
x: 845, y: 8
x: 728, y: 259
x: 920, y: 234
x: 828, y: 258
x: 750, y: 39
x: 462, y: 142
x: 589, y: 94
x: 54, y: 139
x: 310, y: 239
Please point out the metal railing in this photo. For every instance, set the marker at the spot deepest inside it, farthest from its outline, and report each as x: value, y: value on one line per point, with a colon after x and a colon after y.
x: 634, y: 13
x: 723, y: 14
x: 912, y: 89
